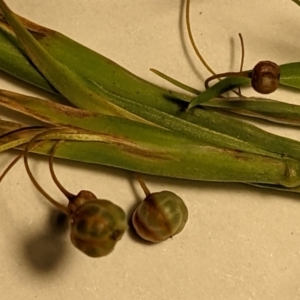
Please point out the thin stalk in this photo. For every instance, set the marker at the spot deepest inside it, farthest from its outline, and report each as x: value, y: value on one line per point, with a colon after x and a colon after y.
x: 29, y: 146
x: 53, y: 175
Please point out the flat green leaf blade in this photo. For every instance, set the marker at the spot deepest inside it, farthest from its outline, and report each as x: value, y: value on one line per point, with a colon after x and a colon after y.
x: 186, y: 161
x: 266, y: 109
x: 208, y: 119
x: 98, y: 68
x: 59, y: 114
x: 290, y: 75
x: 68, y: 83
x: 218, y: 89
x: 14, y: 62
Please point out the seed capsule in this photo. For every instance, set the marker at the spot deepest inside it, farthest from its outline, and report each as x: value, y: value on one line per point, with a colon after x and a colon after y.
x: 160, y: 216
x: 265, y: 77
x: 96, y: 224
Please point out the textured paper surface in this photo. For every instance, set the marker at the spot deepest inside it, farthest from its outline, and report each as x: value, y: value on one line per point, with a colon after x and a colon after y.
x: 240, y: 242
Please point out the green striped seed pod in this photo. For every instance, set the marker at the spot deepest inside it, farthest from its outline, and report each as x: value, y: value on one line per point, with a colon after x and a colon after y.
x: 265, y: 77
x: 160, y: 216
x: 96, y: 225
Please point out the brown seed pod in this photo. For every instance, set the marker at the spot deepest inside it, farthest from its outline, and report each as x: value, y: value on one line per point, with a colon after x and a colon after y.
x: 265, y: 77
x: 160, y: 216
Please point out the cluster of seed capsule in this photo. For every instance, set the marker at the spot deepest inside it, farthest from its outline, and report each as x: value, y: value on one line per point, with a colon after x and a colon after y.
x: 96, y: 225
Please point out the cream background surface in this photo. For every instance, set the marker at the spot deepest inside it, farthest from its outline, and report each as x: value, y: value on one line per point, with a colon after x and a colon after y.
x: 240, y: 242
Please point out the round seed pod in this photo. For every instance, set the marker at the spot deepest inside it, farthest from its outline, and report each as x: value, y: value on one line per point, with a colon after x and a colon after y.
x: 265, y: 77
x: 96, y: 226
x: 160, y: 216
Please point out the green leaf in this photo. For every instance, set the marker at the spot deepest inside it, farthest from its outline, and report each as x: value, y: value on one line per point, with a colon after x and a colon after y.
x: 225, y: 85
x: 67, y: 82
x: 183, y: 160
x: 290, y: 75
x: 60, y: 114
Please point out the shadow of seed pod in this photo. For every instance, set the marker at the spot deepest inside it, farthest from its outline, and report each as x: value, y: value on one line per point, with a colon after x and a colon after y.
x: 160, y: 216
x: 45, y: 248
x: 265, y: 77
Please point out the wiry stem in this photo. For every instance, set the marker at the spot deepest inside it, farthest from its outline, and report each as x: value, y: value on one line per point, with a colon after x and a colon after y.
x: 243, y: 52
x: 35, y: 183
x: 242, y: 58
x: 188, y: 26
x: 9, y: 167
x: 226, y: 74
x: 143, y: 185
x: 56, y: 181
x: 15, y: 160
